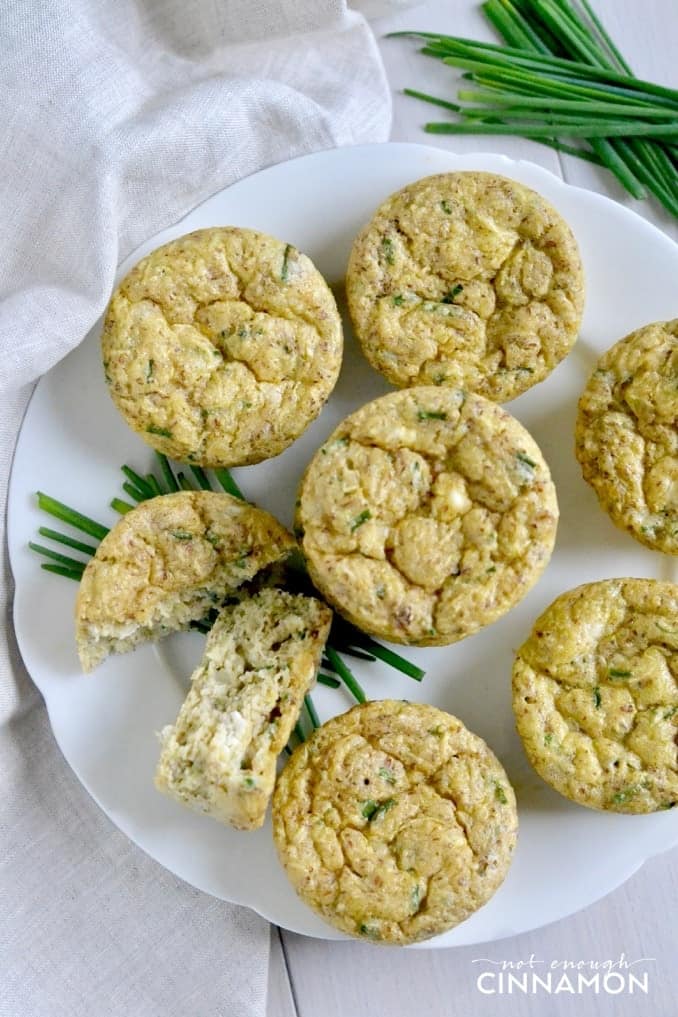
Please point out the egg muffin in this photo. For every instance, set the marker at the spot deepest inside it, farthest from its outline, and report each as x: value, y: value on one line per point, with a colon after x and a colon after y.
x: 595, y: 695
x: 221, y: 347
x: 426, y: 515
x: 469, y: 280
x: 261, y: 657
x: 394, y: 822
x: 627, y: 434
x: 166, y: 564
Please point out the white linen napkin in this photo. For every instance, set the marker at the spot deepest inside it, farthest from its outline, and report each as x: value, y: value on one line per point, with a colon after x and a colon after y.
x: 115, y: 120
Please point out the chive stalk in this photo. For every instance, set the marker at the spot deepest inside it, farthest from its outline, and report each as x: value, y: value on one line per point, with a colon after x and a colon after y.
x: 167, y: 473
x: 62, y: 538
x: 228, y: 483
x: 345, y: 673
x: 70, y: 516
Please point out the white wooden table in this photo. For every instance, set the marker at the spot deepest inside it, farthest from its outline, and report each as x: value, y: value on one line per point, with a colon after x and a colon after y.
x: 314, y: 978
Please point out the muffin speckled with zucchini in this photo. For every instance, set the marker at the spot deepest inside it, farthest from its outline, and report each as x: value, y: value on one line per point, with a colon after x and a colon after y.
x: 627, y: 434
x: 222, y: 346
x: 394, y: 822
x: 427, y: 514
x: 167, y: 563
x: 261, y: 657
x: 595, y: 695
x: 466, y: 279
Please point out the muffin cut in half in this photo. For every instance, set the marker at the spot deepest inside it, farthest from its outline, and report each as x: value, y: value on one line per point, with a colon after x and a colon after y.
x: 466, y: 279
x: 426, y: 515
x: 167, y: 563
x: 595, y: 695
x: 261, y: 657
x: 394, y: 822
x: 221, y: 347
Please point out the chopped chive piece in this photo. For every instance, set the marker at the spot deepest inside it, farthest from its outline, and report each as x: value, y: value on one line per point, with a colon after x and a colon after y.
x: 139, y: 482
x: 387, y: 775
x: 499, y: 793
x: 368, y: 809
x: 69, y: 515
x: 361, y: 518
x: 149, y: 369
x: 182, y: 535
x: 154, y: 485
x: 228, y: 483
x: 615, y: 672
x: 548, y: 738
x: 166, y: 470
x: 596, y: 697
x: 60, y: 570
x: 184, y: 482
x: 201, y: 477
x: 311, y: 710
x: 62, y: 559
x: 327, y: 679
x: 387, y: 248
x: 161, y: 432
x: 372, y: 810
x: 61, y: 538
x: 123, y: 507
x: 444, y: 204
x: 431, y: 415
x: 284, y: 271
x: 201, y: 626
x: 451, y: 294
x: 397, y: 299
x: 344, y: 672
x: 526, y: 461
x: 624, y: 795
x: 134, y: 492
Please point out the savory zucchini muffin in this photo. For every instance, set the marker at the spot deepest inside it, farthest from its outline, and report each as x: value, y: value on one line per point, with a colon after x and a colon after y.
x: 595, y: 695
x: 166, y: 564
x: 261, y: 657
x: 222, y: 346
x: 466, y: 279
x: 426, y: 515
x: 627, y: 434
x: 394, y: 822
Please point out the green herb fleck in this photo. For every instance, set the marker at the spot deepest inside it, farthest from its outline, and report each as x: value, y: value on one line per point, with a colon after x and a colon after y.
x: 249, y: 782
x: 149, y: 370
x: 439, y: 379
x: 446, y: 207
x: 526, y: 461
x: 387, y: 248
x: 623, y: 796
x: 369, y: 931
x: 431, y: 415
x: 380, y: 592
x: 387, y: 775
x: 368, y: 809
x: 548, y: 738
x: 492, y: 568
x: 615, y: 672
x: 397, y: 300
x: 596, y: 697
x: 415, y: 897
x: 284, y: 271
x: 182, y: 535
x: 361, y: 518
x: 499, y: 793
x: 670, y: 712
x: 162, y: 432
x: 450, y: 296
x: 437, y: 731
x: 243, y: 332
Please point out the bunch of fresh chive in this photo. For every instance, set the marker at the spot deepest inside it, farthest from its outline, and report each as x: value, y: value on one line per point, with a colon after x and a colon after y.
x: 345, y: 639
x: 560, y: 75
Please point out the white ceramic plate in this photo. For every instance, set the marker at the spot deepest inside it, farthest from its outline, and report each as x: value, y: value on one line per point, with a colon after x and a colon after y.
x: 73, y: 442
